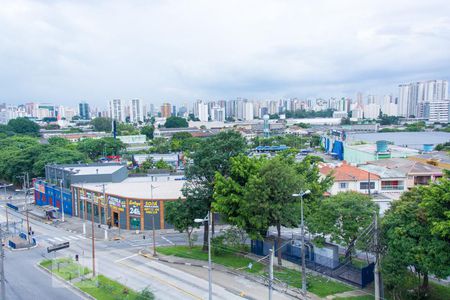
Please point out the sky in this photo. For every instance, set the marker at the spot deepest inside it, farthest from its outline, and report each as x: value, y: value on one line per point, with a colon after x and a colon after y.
x: 179, y: 51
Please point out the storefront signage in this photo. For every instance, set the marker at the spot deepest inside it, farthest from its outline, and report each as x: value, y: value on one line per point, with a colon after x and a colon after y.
x: 99, y: 198
x: 116, y: 203
x: 151, y: 207
x: 135, y: 207
x: 40, y: 188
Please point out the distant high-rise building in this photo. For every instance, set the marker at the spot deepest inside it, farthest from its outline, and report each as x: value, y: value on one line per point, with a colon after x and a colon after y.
x: 218, y: 113
x: 83, y: 111
x: 136, y: 111
x: 116, y: 110
x: 174, y: 111
x: 166, y: 110
x: 247, y: 111
x: 412, y: 95
x: 201, y: 110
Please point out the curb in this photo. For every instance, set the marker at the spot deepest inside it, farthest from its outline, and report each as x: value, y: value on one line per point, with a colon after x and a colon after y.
x: 78, y: 290
x: 23, y: 249
x: 226, y: 270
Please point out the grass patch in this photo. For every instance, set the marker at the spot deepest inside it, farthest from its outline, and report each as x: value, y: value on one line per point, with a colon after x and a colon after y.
x: 316, y: 284
x: 228, y: 259
x: 365, y: 297
x: 103, y: 288
x: 65, y: 268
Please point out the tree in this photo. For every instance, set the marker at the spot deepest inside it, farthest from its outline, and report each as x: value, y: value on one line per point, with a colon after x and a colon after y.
x: 24, y: 126
x: 411, y: 244
x: 127, y: 129
x: 161, y: 164
x: 176, y: 122
x: 436, y: 204
x: 257, y: 193
x: 342, y: 218
x: 148, y: 130
x: 182, y: 213
x: 160, y: 145
x: 102, y: 124
x: 94, y: 148
x: 213, y: 155
x: 58, y: 141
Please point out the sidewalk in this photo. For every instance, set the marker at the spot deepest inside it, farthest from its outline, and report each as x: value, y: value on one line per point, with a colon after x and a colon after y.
x: 241, y: 281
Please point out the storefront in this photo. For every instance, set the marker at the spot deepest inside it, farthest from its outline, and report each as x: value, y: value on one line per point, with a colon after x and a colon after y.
x: 125, y: 211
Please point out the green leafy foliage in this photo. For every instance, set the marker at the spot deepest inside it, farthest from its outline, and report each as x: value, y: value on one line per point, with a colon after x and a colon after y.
x: 102, y: 124
x: 342, y: 217
x: 24, y: 126
x: 411, y: 244
x: 176, y: 122
x: 95, y: 148
x: 257, y: 192
x: 182, y: 213
x: 148, y: 131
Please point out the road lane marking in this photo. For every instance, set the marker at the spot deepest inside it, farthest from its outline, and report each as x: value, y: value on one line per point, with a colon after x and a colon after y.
x: 163, y: 281
x: 166, y: 239
x: 73, y: 237
x: 58, y: 239
x: 66, y: 238
x: 125, y: 258
x: 81, y: 237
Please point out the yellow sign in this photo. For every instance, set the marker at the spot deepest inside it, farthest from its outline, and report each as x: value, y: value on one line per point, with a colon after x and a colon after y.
x: 151, y: 207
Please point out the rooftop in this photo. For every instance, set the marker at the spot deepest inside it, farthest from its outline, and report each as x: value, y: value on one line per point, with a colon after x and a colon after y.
x: 93, y: 170
x: 139, y: 188
x: 372, y: 148
x: 382, y: 171
x: 408, y: 167
x: 346, y: 172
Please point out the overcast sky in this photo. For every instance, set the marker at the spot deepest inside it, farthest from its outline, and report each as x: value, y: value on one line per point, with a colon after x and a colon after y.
x: 180, y: 51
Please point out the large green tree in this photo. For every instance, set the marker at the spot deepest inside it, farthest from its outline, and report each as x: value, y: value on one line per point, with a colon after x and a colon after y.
x: 213, y: 155
x: 257, y: 193
x: 176, y: 122
x: 102, y: 124
x: 148, y: 130
x: 342, y: 218
x: 94, y: 148
x: 411, y: 244
x: 436, y: 202
x: 24, y: 126
x: 182, y: 213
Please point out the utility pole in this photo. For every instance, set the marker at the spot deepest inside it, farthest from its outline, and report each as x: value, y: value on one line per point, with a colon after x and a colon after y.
x: 271, y: 273
x: 378, y: 284
x: 153, y: 220
x: 25, y: 189
x: 6, y: 206
x: 106, y: 203
x: 2, y: 266
x: 93, y: 239
x: 62, y: 198
x: 209, y: 258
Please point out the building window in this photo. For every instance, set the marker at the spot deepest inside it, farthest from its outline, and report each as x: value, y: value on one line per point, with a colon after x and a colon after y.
x: 393, y: 185
x: 365, y: 185
x: 343, y: 185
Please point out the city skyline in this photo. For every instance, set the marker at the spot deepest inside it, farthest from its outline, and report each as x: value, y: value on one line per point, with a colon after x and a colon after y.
x: 61, y: 52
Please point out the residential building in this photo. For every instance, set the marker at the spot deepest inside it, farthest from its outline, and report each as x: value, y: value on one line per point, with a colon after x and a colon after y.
x: 166, y: 110
x: 201, y: 110
x: 435, y: 111
x: 371, y: 111
x: 136, y: 111
x: 116, y: 110
x: 350, y: 178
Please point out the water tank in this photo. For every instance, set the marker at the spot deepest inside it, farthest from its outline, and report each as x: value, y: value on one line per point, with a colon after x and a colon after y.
x: 382, y: 146
x: 428, y: 147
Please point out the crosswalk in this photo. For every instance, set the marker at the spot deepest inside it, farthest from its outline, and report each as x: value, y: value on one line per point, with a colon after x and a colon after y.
x: 61, y: 239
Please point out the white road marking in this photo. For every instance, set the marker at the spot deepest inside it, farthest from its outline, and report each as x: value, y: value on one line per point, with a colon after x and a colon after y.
x: 166, y: 239
x: 51, y: 240
x: 81, y: 237
x: 66, y: 238
x: 58, y: 239
x: 73, y: 237
x: 125, y: 258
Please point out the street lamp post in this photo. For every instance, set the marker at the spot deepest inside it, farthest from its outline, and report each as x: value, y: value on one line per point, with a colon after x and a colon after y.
x: 207, y: 219
x: 152, y: 187
x: 6, y: 206
x: 302, y: 229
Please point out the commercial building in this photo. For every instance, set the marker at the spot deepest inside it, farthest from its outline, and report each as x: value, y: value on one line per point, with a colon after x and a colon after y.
x: 359, y: 153
x: 83, y: 111
x: 134, y: 204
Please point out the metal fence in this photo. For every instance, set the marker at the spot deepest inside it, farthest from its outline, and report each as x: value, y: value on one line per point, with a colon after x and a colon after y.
x: 333, y: 267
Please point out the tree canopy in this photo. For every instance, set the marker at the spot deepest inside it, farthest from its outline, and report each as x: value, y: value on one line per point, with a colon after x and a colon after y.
x: 24, y: 126
x: 102, y: 124
x: 95, y: 148
x: 176, y: 122
x: 148, y: 130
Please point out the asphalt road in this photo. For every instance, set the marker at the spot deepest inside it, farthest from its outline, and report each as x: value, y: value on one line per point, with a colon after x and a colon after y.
x: 119, y: 260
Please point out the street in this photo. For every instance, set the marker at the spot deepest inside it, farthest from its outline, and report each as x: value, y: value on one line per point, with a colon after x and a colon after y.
x: 118, y: 260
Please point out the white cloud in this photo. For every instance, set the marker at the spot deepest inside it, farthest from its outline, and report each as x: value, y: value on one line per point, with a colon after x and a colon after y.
x: 179, y: 51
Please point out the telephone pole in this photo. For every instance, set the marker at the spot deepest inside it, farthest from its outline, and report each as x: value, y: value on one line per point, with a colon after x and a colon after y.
x: 271, y: 273
x: 2, y: 267
x: 93, y: 239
